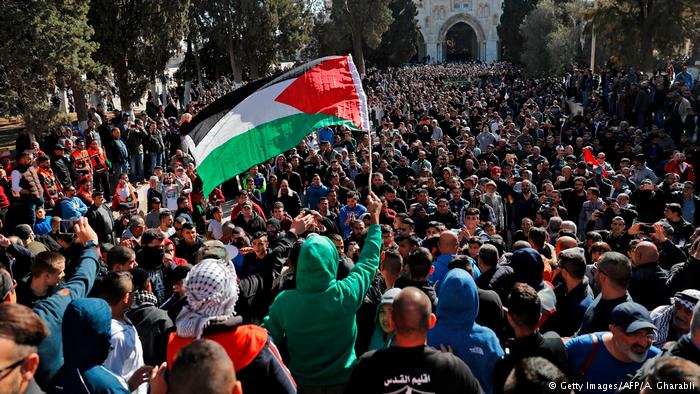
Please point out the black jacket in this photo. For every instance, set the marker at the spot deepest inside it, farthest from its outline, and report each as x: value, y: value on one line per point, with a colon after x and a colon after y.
x: 669, y: 254
x: 684, y: 275
x: 265, y: 270
x: 366, y: 315
x: 425, y: 286
x: 647, y: 285
x: 63, y: 170
x: 500, y: 279
x: 186, y: 251
x: 571, y: 306
x: 598, y: 315
x: 252, y: 226
x: 535, y: 345
x: 154, y: 326
x: 102, y: 221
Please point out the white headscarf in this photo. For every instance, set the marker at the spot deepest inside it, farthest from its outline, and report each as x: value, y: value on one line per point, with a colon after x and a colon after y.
x: 212, y: 292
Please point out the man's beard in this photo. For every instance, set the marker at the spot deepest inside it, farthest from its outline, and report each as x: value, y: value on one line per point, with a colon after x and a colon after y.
x: 630, y: 353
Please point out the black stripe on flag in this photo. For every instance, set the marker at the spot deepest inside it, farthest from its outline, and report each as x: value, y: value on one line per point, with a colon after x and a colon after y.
x: 200, y: 125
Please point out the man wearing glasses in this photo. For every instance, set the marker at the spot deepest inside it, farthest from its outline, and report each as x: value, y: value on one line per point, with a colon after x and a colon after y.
x: 21, y: 331
x: 603, y: 359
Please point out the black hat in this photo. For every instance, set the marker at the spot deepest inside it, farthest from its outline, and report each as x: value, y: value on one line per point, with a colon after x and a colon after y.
x: 274, y: 222
x: 59, y: 147
x: 631, y: 317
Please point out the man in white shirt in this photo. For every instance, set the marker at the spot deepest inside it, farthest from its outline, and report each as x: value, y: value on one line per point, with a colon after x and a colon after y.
x: 125, y: 357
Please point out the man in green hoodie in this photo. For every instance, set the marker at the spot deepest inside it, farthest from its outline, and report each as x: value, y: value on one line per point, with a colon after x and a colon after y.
x: 318, y: 318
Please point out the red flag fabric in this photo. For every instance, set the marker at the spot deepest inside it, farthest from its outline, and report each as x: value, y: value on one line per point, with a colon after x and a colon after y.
x: 589, y: 158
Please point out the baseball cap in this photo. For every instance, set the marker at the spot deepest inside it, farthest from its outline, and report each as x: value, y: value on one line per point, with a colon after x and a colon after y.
x: 631, y: 317
x: 390, y: 295
x: 155, y: 200
x: 495, y: 169
x: 247, y: 204
x: 620, y: 178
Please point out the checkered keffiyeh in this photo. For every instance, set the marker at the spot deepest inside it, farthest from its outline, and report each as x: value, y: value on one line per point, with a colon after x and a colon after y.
x: 212, y: 292
x: 143, y: 297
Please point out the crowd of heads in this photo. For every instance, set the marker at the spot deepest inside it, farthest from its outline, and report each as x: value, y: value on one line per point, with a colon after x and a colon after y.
x: 517, y: 225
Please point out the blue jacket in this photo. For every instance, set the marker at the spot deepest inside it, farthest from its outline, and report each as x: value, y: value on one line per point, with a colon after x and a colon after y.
x: 477, y: 346
x: 42, y: 227
x: 72, y: 208
x: 345, y: 212
x: 52, y: 309
x: 86, y: 335
x: 313, y: 194
x: 441, y: 268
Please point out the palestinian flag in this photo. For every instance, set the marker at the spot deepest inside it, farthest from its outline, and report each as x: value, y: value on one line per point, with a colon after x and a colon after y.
x: 270, y: 116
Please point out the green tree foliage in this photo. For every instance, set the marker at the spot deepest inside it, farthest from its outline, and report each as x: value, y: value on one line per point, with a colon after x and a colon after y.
x: 552, y: 37
x: 514, y: 12
x: 138, y: 38
x: 255, y: 34
x: 398, y: 44
x: 44, y: 44
x: 364, y: 21
x: 642, y: 31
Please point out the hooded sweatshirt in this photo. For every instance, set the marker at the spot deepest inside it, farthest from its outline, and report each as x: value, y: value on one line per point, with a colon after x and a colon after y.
x: 477, y: 346
x: 86, y: 343
x: 318, y: 317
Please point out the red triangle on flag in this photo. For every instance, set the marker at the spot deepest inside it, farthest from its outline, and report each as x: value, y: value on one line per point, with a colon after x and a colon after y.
x: 326, y: 88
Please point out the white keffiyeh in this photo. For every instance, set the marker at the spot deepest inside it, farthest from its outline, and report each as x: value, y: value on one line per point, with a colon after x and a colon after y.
x: 212, y: 292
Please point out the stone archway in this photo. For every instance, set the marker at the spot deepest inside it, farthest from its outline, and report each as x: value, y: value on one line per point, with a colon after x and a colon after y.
x: 460, y: 43
x: 461, y: 36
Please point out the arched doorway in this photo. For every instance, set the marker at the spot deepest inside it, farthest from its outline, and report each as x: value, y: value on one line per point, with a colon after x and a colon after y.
x: 461, y: 43
x: 421, y: 55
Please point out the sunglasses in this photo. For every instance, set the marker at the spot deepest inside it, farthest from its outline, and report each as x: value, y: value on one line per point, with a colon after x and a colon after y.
x: 595, y: 269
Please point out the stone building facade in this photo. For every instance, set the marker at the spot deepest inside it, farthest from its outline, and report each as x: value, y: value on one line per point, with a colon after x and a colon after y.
x: 459, y: 30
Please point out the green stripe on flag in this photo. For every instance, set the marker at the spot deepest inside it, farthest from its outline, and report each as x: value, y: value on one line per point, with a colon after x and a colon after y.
x: 259, y: 144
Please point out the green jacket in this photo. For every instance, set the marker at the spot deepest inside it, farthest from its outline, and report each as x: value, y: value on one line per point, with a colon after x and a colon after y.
x: 318, y: 318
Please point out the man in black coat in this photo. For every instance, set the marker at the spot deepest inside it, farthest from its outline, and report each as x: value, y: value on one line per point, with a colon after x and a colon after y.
x: 523, y: 314
x: 647, y: 285
x: 249, y: 220
x: 268, y: 264
x: 62, y: 168
x: 152, y: 323
x: 101, y: 219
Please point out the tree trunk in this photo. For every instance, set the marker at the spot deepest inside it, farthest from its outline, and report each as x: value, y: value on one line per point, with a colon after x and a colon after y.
x: 253, y: 68
x: 358, y: 55
x: 235, y: 67
x: 80, y: 104
x: 122, y: 78
x: 164, y: 94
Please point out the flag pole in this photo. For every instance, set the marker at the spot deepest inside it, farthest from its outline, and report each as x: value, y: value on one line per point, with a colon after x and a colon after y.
x: 369, y: 138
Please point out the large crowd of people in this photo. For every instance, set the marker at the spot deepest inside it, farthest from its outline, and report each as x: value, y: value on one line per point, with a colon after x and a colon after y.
x: 492, y: 233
